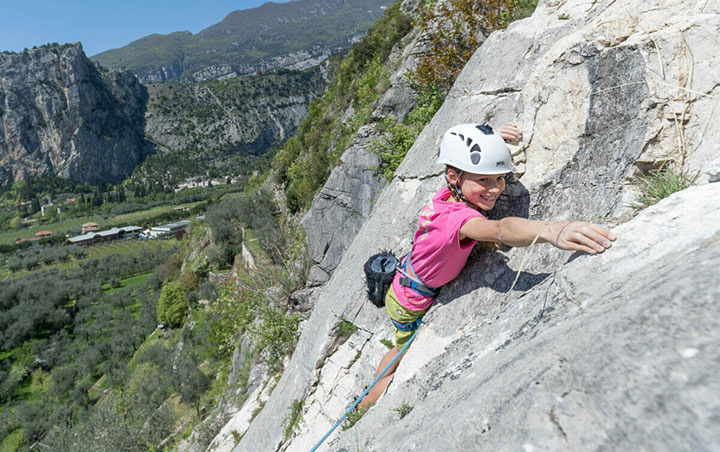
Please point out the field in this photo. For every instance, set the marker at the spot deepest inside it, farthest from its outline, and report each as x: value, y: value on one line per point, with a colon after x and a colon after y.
x: 122, y: 247
x: 74, y: 225
x: 125, y: 247
x: 133, y: 281
x: 129, y: 218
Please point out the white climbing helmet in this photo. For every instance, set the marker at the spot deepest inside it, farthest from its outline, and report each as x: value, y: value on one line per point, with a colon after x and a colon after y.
x: 475, y: 148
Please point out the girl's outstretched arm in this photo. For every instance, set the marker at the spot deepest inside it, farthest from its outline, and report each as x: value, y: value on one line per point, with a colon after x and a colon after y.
x: 567, y: 235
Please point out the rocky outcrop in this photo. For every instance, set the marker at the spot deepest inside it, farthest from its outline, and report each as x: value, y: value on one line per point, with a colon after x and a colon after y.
x: 342, y: 206
x: 303, y: 59
x: 245, y: 115
x: 346, y: 200
x: 539, y: 348
x: 60, y: 114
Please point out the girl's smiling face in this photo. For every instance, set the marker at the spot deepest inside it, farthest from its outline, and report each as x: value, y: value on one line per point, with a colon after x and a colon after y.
x: 482, y: 190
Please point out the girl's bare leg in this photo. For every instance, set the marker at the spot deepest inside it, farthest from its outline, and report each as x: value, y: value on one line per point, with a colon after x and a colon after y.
x: 382, y: 384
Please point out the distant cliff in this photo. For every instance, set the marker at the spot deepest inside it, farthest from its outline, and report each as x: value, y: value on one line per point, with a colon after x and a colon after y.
x: 61, y: 114
x: 223, y: 122
x: 270, y: 37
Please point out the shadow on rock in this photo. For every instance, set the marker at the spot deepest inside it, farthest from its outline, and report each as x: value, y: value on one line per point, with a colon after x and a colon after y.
x: 488, y: 268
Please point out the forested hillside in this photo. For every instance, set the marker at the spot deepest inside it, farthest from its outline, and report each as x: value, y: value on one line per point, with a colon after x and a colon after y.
x: 226, y: 126
x: 270, y: 37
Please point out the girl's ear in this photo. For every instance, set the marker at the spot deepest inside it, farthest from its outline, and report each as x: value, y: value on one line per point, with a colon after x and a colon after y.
x: 452, y: 176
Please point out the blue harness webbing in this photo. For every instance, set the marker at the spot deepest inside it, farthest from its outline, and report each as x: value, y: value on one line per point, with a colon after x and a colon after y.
x: 412, y: 280
x: 409, y: 326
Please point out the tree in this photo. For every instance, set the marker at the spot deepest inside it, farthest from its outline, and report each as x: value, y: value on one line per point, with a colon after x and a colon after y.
x: 192, y: 381
x: 173, y: 305
x: 34, y: 206
x: 16, y: 223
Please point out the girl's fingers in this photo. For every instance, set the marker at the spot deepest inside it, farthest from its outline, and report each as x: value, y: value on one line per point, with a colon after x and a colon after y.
x: 585, y: 243
x: 595, y: 233
x: 586, y: 249
x: 586, y: 237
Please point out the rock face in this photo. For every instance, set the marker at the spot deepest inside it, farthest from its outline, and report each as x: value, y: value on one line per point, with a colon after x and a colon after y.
x: 61, y: 114
x: 245, y: 115
x: 346, y: 200
x: 617, y: 351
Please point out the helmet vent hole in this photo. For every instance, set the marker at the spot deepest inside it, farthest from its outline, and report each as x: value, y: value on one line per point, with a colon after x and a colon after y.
x: 468, y: 142
x: 475, y: 154
x: 461, y: 136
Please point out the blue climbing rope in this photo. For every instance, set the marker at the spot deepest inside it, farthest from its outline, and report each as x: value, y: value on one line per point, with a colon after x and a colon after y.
x: 349, y: 410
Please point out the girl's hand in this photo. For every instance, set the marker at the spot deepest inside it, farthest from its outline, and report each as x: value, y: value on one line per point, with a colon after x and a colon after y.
x: 511, y: 133
x: 586, y: 237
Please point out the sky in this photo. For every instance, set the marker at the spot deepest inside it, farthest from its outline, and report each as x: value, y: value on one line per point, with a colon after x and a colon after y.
x: 103, y: 24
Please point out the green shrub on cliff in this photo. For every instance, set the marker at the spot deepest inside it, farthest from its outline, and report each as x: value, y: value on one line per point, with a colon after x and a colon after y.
x: 173, y: 305
x: 453, y: 31
x: 304, y: 162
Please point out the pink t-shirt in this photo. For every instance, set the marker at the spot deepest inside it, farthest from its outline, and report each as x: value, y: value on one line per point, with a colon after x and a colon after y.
x: 437, y: 255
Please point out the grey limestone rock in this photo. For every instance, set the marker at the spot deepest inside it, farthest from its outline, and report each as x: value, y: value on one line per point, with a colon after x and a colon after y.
x: 537, y: 348
x: 342, y: 206
x: 63, y: 115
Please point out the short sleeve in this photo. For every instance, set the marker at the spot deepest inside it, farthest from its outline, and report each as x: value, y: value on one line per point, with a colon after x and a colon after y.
x: 455, y: 222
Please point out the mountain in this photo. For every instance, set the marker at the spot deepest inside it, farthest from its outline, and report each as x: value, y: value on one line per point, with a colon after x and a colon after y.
x: 222, y: 125
x: 65, y: 115
x: 295, y: 35
x: 62, y: 114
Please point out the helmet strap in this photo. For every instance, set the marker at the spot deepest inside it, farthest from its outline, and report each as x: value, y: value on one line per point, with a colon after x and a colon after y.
x: 456, y: 191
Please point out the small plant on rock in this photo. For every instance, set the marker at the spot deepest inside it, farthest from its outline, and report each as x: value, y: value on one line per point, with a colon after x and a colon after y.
x: 403, y: 410
x: 353, y: 417
x: 387, y: 343
x: 344, y: 329
x: 294, y: 418
x: 660, y: 184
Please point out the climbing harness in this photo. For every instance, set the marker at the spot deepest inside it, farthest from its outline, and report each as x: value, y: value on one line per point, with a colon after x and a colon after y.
x: 413, y: 281
x: 409, y: 326
x: 349, y: 410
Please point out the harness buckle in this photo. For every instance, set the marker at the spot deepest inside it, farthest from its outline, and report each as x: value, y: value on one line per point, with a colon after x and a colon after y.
x: 409, y: 326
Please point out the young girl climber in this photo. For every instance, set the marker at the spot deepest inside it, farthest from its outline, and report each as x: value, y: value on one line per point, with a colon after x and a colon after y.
x: 477, y: 161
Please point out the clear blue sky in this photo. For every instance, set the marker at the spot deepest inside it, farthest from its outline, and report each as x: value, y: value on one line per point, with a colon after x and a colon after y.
x: 106, y: 24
